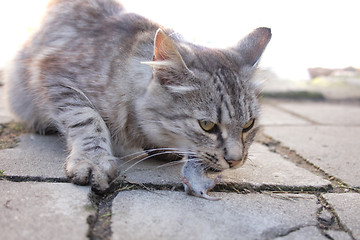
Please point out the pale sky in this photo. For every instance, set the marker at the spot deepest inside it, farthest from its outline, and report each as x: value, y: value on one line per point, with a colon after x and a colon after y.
x: 306, y: 33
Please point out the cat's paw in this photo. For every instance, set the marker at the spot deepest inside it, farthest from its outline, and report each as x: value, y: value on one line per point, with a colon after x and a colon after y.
x: 98, y: 172
x: 202, y: 187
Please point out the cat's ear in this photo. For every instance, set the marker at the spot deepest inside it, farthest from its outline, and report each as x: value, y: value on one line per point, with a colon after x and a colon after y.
x: 253, y: 45
x: 165, y: 53
x: 164, y: 48
x: 169, y: 67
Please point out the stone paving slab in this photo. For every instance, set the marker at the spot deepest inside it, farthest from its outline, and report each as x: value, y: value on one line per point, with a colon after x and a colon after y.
x: 174, y: 215
x: 325, y: 113
x: 44, y: 156
x: 33, y: 210
x: 346, y: 206
x: 271, y: 115
x: 335, y: 149
x: 152, y: 171
x: 338, y: 235
x: 329, y: 88
x: 36, y: 155
x: 263, y: 168
x: 308, y: 233
x: 267, y: 168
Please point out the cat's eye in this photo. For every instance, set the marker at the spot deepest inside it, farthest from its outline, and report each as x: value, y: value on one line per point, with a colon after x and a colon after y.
x: 248, y: 125
x: 207, y: 126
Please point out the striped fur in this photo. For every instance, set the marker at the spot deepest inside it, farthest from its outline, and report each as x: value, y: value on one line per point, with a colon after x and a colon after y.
x: 110, y: 82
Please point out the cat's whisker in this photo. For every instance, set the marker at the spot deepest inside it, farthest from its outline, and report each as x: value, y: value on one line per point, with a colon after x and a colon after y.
x: 133, y: 159
x: 162, y: 149
x: 169, y: 164
x: 132, y: 154
x: 174, y: 151
x: 197, y: 161
x: 207, y: 168
x: 158, y: 154
x: 249, y: 158
x: 136, y: 155
x: 252, y: 163
x: 141, y: 160
x: 176, y: 162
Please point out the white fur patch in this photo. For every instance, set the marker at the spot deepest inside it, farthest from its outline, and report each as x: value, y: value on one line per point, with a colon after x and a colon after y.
x: 181, y: 89
x: 159, y: 64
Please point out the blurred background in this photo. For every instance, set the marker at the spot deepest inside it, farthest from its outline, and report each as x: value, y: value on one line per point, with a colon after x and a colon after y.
x: 312, y: 40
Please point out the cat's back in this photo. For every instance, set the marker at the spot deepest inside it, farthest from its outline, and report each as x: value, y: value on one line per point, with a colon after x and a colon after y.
x: 81, y: 44
x: 71, y: 21
x: 85, y: 39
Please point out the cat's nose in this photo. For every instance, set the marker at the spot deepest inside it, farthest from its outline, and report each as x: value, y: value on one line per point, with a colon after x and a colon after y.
x: 234, y: 161
x: 233, y: 158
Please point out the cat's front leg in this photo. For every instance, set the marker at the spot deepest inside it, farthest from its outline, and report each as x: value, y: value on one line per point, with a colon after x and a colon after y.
x: 195, y: 180
x: 91, y: 158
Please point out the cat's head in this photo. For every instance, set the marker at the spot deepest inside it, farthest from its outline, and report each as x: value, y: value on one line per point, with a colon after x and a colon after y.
x: 203, y: 100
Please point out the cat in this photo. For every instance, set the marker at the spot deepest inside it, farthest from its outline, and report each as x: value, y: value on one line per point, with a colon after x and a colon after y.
x: 111, y: 82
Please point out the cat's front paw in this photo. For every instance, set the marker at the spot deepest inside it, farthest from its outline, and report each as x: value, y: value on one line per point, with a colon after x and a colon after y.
x: 98, y: 171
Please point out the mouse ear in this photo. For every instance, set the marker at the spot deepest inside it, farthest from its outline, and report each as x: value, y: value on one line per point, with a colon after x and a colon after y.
x: 253, y: 45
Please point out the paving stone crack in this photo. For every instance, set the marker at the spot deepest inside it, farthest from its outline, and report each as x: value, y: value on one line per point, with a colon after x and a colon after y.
x: 282, y: 232
x: 326, y: 219
x: 100, y: 222
x: 275, y: 146
x: 326, y: 216
x: 241, y: 188
x: 335, y: 222
x: 35, y: 179
x: 295, y: 114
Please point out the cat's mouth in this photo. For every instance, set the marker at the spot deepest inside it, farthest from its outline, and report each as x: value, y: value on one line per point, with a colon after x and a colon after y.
x: 213, y: 161
x: 220, y: 163
x: 237, y: 164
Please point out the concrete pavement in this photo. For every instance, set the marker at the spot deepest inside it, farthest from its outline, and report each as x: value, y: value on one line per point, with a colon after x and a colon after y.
x: 301, y: 182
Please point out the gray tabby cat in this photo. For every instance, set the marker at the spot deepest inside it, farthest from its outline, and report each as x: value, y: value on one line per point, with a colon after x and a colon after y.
x: 111, y: 81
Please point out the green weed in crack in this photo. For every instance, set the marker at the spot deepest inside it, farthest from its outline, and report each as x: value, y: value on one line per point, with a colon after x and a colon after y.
x: 100, y: 221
